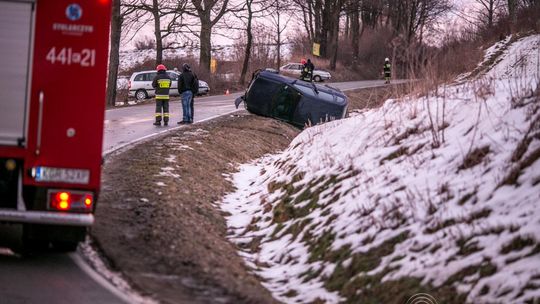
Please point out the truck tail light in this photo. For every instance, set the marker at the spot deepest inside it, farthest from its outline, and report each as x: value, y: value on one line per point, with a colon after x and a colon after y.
x: 65, y: 200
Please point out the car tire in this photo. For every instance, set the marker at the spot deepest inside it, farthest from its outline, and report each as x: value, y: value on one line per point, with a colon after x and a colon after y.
x: 317, y: 78
x: 141, y: 95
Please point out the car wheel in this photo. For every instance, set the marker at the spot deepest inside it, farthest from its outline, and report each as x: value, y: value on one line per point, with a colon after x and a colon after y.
x: 317, y: 78
x: 141, y: 95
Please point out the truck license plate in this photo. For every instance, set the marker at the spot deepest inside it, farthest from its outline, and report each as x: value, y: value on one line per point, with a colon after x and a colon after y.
x: 72, y: 176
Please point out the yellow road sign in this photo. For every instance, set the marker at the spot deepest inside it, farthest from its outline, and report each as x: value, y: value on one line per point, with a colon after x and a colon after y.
x: 316, y: 49
x: 213, y: 66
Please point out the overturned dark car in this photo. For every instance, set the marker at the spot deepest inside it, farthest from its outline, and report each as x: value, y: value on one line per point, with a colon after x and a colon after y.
x: 298, y: 102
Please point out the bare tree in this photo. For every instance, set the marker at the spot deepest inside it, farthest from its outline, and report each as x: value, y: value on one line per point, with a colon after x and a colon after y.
x: 488, y: 11
x: 512, y: 10
x: 117, y: 20
x: 321, y: 20
x: 162, y: 12
x: 209, y: 13
x: 411, y: 17
x: 252, y: 9
x: 280, y: 18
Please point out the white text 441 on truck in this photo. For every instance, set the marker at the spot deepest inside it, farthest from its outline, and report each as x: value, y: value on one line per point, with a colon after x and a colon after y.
x: 67, y: 56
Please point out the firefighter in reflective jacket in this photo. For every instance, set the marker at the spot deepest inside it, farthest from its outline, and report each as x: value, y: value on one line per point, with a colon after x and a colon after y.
x: 307, y: 70
x: 386, y: 70
x: 162, y: 83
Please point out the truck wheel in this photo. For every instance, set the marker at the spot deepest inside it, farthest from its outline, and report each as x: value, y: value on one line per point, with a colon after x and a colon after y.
x: 65, y: 246
x: 317, y: 78
x: 141, y: 95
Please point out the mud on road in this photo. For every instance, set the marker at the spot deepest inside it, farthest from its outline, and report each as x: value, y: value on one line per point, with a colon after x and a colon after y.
x: 156, y: 219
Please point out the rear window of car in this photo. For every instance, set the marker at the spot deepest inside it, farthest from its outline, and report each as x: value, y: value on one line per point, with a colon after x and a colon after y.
x: 139, y: 77
x: 173, y: 76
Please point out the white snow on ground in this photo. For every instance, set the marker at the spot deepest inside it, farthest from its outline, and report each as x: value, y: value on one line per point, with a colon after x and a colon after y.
x: 168, y: 171
x: 171, y: 158
x: 408, y: 167
x: 131, y: 58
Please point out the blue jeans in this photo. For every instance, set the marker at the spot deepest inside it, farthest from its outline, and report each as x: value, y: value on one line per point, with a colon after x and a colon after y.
x: 187, y: 96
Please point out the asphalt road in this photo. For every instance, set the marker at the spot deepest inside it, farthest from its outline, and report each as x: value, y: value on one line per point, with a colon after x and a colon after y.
x: 51, y: 278
x: 66, y: 278
x: 125, y: 125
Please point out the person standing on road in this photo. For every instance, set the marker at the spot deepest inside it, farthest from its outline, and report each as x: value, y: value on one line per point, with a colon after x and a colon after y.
x: 188, y: 85
x: 386, y: 70
x: 307, y: 71
x: 162, y: 84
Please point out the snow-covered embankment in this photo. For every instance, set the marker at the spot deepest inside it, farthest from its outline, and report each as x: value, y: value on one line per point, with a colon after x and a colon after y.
x: 439, y: 193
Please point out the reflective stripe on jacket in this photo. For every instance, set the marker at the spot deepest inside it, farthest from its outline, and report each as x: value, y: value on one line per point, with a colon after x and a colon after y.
x: 162, y: 83
x: 387, y: 68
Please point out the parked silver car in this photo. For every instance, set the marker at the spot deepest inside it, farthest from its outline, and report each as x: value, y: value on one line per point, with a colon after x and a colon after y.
x: 295, y: 69
x: 140, y: 85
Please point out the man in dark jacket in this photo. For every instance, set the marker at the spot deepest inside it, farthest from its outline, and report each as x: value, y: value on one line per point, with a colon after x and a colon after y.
x: 188, y: 85
x: 162, y: 84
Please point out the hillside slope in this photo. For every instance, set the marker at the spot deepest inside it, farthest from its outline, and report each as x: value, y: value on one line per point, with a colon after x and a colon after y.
x: 435, y: 194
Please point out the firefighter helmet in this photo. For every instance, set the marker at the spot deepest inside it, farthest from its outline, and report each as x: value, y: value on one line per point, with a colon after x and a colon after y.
x: 386, y: 59
x: 303, y: 61
x: 161, y: 67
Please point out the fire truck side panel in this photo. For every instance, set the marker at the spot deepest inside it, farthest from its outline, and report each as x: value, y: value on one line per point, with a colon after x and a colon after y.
x: 15, y: 33
x: 68, y: 89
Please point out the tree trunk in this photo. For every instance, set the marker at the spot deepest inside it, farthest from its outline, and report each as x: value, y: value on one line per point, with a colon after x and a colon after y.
x: 278, y: 40
x: 512, y: 10
x: 206, y: 45
x: 248, y: 44
x: 334, y: 34
x: 114, y: 54
x: 355, y: 32
x: 157, y: 32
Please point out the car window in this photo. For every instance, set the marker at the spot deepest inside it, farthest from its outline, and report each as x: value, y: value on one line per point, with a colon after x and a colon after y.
x: 139, y: 77
x: 150, y: 76
x: 173, y: 76
x: 297, y: 67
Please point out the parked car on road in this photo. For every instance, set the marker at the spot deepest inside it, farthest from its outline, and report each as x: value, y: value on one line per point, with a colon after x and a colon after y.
x: 295, y: 69
x: 140, y: 85
x: 296, y: 101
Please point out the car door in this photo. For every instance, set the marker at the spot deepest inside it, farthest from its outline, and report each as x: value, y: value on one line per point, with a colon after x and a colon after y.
x: 297, y: 69
x: 148, y: 78
x: 174, y: 84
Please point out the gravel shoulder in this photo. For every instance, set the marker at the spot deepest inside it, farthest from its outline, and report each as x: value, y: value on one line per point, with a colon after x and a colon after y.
x: 157, y: 222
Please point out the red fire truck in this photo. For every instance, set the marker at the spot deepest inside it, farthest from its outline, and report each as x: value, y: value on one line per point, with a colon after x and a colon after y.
x: 53, y: 69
